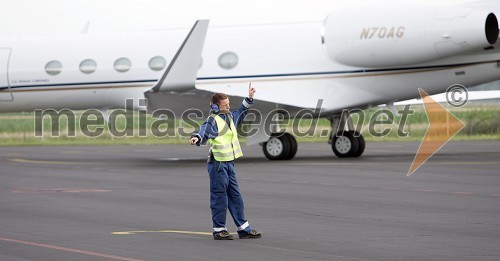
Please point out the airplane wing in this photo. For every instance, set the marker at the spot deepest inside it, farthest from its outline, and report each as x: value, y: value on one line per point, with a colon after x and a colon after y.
x: 181, y: 73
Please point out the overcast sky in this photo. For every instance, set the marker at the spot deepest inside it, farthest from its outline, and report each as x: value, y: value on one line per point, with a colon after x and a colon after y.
x: 70, y: 16
x: 48, y: 17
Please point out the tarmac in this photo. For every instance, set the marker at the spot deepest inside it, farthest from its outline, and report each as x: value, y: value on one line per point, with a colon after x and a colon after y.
x: 151, y: 202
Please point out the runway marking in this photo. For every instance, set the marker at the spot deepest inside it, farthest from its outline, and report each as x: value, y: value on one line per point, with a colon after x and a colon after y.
x: 462, y: 193
x: 182, y: 159
x: 66, y: 249
x: 385, y: 188
x: 466, y: 163
x: 428, y: 190
x: 390, y: 188
x: 165, y: 231
x: 294, y: 182
x: 72, y: 152
x: 395, y: 163
x: 11, y: 155
x: 344, y: 163
x: 210, y: 234
x: 18, y: 160
x: 46, y: 162
x: 57, y: 190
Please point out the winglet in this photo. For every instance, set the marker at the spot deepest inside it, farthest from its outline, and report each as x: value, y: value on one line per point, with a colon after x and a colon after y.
x: 182, y: 71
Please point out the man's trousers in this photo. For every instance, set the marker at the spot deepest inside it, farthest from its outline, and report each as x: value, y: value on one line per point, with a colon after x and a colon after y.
x: 225, y: 194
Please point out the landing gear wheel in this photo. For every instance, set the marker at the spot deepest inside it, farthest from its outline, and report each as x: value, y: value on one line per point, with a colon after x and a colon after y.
x: 280, y: 146
x: 361, y: 141
x: 345, y: 145
x: 277, y: 147
x: 293, y: 146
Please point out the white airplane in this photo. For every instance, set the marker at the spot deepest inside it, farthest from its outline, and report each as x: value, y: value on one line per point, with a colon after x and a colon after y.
x: 352, y: 58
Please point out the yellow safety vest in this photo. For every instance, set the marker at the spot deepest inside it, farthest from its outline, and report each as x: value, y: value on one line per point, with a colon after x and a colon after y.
x: 225, y: 147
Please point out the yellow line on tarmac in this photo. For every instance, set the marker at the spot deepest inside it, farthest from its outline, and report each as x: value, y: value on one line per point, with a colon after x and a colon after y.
x: 165, y: 231
x: 45, y: 162
x: 466, y: 163
x: 11, y: 155
x: 397, y: 163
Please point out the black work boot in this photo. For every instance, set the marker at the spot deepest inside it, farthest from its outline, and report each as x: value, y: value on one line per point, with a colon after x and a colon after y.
x: 250, y: 234
x: 223, y: 235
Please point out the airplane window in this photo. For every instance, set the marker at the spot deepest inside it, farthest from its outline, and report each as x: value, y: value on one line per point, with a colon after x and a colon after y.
x: 228, y: 60
x: 122, y: 64
x: 88, y: 66
x: 53, y: 67
x: 157, y: 63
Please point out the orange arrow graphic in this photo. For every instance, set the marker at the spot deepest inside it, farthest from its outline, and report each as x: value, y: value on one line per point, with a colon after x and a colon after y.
x: 442, y: 127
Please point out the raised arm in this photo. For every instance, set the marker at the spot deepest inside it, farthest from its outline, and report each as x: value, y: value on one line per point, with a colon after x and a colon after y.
x: 240, y: 114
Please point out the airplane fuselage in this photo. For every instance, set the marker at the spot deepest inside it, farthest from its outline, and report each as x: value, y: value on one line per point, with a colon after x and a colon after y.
x: 287, y: 62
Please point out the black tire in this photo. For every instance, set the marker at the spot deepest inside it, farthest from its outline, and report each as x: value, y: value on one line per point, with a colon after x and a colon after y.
x: 277, y: 147
x: 293, y: 145
x: 361, y: 141
x: 345, y: 145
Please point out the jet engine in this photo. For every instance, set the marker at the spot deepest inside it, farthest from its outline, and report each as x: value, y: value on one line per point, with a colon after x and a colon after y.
x: 396, y: 37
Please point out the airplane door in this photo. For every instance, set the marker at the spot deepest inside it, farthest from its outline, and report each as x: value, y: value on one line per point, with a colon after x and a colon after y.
x: 5, y: 91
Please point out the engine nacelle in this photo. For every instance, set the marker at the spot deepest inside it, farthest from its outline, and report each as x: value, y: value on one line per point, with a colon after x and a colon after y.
x: 396, y: 37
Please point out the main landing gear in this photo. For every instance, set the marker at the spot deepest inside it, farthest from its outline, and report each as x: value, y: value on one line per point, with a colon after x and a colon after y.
x: 349, y: 144
x: 345, y: 141
x: 280, y: 146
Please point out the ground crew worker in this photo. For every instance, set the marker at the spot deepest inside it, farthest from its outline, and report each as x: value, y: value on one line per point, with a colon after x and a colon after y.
x: 220, y: 131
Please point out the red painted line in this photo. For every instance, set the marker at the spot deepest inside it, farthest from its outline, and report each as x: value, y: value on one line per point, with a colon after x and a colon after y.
x: 69, y: 249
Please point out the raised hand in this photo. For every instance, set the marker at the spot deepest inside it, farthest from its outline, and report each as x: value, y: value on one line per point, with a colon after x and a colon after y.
x: 251, y: 91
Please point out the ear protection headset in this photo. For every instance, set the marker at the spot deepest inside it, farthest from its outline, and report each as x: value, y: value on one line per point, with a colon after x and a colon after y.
x: 215, y: 108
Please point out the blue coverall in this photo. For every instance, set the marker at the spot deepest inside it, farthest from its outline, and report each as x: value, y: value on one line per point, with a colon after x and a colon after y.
x: 224, y: 190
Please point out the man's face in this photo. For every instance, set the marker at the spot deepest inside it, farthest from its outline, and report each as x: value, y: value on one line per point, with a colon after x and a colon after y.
x: 224, y: 106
